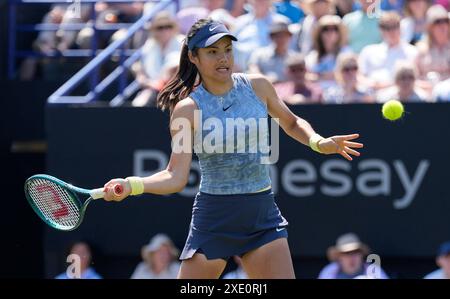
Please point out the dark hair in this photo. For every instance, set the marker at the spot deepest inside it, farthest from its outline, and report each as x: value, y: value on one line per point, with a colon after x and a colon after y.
x: 182, y: 84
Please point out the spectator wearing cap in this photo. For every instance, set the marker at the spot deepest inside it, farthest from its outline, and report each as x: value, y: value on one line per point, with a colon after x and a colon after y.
x: 350, y: 87
x: 271, y: 60
x: 159, y: 259
x: 329, y: 40
x: 441, y: 92
x: 362, y: 27
x: 315, y: 9
x: 443, y: 261
x: 377, y: 62
x: 253, y: 31
x: 433, y: 60
x: 298, y: 89
x: 347, y: 260
x: 405, y: 88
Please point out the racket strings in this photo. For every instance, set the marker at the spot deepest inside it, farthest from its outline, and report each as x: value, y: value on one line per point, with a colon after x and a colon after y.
x: 54, y: 202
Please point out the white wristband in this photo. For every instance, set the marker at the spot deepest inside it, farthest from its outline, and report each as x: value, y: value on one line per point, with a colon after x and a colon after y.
x: 314, y: 142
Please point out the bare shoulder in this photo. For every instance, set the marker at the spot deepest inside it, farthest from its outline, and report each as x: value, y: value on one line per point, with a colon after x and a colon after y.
x: 184, y: 108
x: 262, y: 86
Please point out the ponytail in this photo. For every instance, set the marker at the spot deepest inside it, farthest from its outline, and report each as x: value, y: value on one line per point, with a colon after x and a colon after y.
x: 183, y: 83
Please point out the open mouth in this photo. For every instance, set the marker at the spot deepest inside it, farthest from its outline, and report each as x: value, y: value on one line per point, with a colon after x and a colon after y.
x: 223, y: 69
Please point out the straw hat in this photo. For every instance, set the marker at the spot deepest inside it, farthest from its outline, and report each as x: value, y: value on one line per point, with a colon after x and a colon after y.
x: 155, y: 243
x: 346, y: 243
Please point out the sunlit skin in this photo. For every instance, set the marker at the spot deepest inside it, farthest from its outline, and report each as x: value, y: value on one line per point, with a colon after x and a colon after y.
x: 440, y: 33
x: 160, y: 259
x: 391, y: 33
x: 215, y: 65
x: 351, y: 262
x: 444, y: 262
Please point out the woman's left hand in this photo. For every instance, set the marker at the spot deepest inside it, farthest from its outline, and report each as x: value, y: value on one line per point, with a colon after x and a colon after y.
x: 340, y: 144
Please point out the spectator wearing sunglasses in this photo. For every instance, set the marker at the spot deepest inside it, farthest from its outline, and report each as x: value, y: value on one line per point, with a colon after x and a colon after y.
x: 298, y: 89
x: 405, y: 88
x: 377, y: 62
x: 433, y: 60
x: 329, y: 40
x: 164, y: 42
x: 350, y: 86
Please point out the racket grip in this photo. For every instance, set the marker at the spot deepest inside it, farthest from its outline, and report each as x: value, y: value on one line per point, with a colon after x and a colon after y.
x: 118, y: 189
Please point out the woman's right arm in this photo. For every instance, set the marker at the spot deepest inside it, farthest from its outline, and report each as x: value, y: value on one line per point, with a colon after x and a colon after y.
x: 174, y: 178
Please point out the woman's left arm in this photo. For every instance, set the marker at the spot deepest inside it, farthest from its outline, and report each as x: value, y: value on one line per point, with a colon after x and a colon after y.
x: 298, y: 128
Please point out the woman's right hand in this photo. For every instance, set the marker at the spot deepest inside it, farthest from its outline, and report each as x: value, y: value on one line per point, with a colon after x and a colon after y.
x: 110, y: 195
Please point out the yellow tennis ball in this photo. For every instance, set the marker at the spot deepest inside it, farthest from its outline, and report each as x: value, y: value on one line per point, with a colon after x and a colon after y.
x: 392, y: 110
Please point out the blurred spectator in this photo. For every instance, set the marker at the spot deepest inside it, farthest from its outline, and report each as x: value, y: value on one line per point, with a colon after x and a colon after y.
x: 392, y: 5
x: 344, y: 7
x: 377, y: 62
x: 235, y: 7
x: 83, y: 250
x: 289, y: 9
x: 405, y: 89
x: 412, y: 26
x: 222, y: 15
x: 349, y: 88
x: 159, y: 259
x: 441, y: 92
x: 362, y: 28
x: 239, y: 273
x: 315, y: 9
x: 347, y: 260
x: 252, y: 31
x: 329, y: 40
x: 148, y: 94
x: 298, y: 90
x: 443, y: 261
x: 433, y: 60
x: 163, y: 42
x: 270, y: 60
x: 186, y: 17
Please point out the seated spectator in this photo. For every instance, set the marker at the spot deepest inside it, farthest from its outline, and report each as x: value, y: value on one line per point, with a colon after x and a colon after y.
x: 441, y: 92
x: 298, y: 89
x: 329, y: 40
x: 412, y: 26
x: 147, y: 96
x: 253, y: 31
x: 433, y: 60
x: 270, y: 60
x: 350, y: 87
x: 443, y: 261
x: 377, y: 62
x: 163, y: 42
x: 347, y: 260
x: 315, y: 9
x: 159, y: 259
x: 84, y: 253
x: 362, y: 27
x: 405, y: 88
x: 239, y: 273
x: 186, y: 17
x: 344, y: 7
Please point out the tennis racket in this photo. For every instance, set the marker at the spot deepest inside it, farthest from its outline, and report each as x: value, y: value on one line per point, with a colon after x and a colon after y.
x: 57, y: 203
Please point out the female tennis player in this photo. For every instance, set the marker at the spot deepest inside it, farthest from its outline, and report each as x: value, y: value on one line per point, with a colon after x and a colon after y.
x: 234, y: 212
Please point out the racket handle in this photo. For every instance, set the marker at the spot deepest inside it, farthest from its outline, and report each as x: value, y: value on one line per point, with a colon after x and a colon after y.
x: 118, y: 189
x: 98, y: 193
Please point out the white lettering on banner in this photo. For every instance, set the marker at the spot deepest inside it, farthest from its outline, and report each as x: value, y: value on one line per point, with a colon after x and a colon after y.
x: 336, y: 177
x: 299, y: 177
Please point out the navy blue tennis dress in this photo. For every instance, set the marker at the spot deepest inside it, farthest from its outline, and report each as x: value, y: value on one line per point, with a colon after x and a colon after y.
x: 234, y: 210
